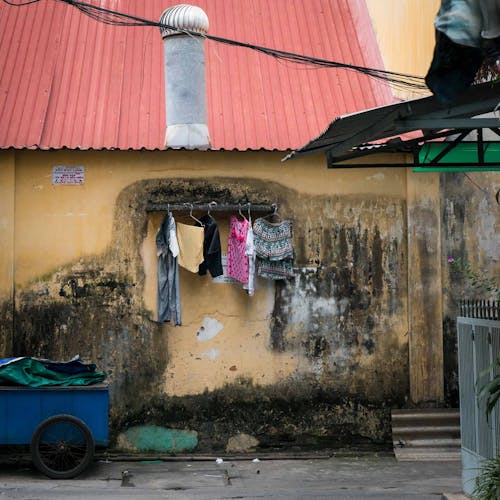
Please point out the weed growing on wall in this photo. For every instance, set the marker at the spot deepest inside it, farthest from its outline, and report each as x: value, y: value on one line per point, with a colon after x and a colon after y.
x: 477, y: 279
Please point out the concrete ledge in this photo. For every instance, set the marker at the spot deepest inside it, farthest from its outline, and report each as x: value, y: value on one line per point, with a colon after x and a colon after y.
x: 454, y: 496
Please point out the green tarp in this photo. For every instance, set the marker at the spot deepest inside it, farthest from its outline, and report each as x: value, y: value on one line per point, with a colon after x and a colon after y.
x: 32, y: 373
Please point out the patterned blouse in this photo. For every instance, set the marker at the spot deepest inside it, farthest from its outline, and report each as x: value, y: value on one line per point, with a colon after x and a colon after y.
x: 273, y: 246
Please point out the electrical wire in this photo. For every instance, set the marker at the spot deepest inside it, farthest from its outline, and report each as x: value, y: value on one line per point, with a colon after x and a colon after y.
x: 474, y: 183
x: 107, y: 16
x: 15, y: 4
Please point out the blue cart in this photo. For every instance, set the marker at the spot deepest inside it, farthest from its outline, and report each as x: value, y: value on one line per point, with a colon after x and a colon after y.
x: 63, y: 425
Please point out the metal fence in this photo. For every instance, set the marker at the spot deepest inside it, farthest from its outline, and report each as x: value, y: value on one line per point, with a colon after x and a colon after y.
x: 478, y: 348
x: 482, y: 309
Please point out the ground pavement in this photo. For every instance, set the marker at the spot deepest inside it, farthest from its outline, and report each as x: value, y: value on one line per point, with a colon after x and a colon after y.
x: 352, y: 477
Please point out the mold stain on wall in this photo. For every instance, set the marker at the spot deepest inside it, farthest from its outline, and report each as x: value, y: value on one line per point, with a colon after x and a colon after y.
x: 6, y: 327
x: 344, y: 309
x: 92, y: 312
x: 291, y: 415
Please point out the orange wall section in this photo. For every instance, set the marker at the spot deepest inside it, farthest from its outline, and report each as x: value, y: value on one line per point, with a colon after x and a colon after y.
x: 405, y: 33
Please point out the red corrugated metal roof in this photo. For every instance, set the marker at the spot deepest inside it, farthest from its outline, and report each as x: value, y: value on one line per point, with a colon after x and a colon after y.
x: 70, y: 81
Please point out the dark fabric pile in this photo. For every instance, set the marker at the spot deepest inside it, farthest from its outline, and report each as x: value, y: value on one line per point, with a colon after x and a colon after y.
x: 35, y: 372
x: 467, y: 37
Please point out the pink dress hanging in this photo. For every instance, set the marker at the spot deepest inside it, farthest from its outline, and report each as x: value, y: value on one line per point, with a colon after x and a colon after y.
x: 237, y: 260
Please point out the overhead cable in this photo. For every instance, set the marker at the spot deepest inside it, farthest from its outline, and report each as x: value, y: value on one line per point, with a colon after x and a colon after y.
x: 116, y: 18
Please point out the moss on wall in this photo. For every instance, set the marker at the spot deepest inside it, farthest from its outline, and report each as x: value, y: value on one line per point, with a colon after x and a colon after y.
x: 450, y: 362
x: 6, y: 328
x: 93, y: 313
x: 295, y: 414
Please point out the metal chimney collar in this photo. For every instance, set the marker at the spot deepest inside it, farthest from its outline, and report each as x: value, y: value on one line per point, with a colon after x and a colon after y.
x: 184, y: 17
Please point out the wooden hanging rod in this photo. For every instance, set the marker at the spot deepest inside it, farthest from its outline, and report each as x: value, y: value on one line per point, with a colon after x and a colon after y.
x: 212, y: 207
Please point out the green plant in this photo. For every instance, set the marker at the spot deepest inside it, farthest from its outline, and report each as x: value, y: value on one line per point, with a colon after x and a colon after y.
x: 478, y: 280
x: 488, y: 481
x: 491, y: 391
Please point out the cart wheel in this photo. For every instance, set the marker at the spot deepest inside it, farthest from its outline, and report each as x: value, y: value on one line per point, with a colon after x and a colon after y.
x: 62, y: 447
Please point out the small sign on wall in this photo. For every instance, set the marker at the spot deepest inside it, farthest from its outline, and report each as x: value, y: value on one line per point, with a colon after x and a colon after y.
x: 72, y: 176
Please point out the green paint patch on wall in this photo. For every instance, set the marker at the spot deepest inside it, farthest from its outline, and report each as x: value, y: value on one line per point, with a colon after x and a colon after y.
x: 156, y: 438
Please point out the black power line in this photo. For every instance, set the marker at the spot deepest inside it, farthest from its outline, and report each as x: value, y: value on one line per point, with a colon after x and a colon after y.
x: 20, y: 4
x: 116, y: 18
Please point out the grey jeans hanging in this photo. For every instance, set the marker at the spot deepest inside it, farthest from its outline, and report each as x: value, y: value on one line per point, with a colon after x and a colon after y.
x: 168, y: 273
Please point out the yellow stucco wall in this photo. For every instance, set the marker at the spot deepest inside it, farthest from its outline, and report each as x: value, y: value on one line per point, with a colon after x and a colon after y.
x: 68, y: 222
x: 60, y: 227
x: 405, y: 32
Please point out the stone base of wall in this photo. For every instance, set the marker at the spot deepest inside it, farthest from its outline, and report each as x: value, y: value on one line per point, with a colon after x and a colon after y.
x: 279, y: 418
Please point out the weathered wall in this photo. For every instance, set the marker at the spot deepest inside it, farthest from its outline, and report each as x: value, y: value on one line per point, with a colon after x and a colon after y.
x: 7, y: 191
x: 345, y: 309
x: 324, y: 355
x: 470, y: 217
x: 424, y: 289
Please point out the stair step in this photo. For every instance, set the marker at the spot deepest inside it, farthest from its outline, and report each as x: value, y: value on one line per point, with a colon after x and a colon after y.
x: 426, y: 429
x: 428, y: 443
x: 427, y: 454
x: 426, y: 411
x: 426, y: 435
x: 415, y: 417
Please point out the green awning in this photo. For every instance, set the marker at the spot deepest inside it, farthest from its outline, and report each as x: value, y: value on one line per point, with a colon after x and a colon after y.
x: 462, y: 157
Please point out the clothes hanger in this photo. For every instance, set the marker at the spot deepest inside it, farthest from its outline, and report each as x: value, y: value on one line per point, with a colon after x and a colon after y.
x: 241, y: 215
x: 211, y: 204
x: 249, y: 215
x: 193, y: 217
x: 274, y: 214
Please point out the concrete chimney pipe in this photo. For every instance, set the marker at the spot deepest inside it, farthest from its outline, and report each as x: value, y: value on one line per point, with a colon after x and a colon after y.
x: 185, y: 83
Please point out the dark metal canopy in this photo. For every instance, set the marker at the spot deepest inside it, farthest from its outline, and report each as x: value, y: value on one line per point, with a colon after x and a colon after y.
x: 355, y: 135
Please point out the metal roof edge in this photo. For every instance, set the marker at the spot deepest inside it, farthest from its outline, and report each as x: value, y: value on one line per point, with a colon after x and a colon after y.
x: 69, y: 148
x: 385, y: 124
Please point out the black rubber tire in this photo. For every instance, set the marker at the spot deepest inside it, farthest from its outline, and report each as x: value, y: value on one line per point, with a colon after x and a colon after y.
x: 62, y: 447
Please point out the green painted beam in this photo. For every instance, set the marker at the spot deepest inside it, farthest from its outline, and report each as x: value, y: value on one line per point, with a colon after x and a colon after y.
x: 463, y: 157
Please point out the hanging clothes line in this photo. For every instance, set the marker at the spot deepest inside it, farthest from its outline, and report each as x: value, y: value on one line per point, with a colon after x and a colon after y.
x: 212, y: 207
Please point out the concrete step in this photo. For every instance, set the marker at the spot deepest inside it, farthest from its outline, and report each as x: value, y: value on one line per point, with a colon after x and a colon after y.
x: 428, y: 443
x: 415, y: 417
x: 427, y: 454
x: 427, y: 430
x: 424, y: 435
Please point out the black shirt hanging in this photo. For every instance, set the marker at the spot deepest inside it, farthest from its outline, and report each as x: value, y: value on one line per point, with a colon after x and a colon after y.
x: 212, y: 252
